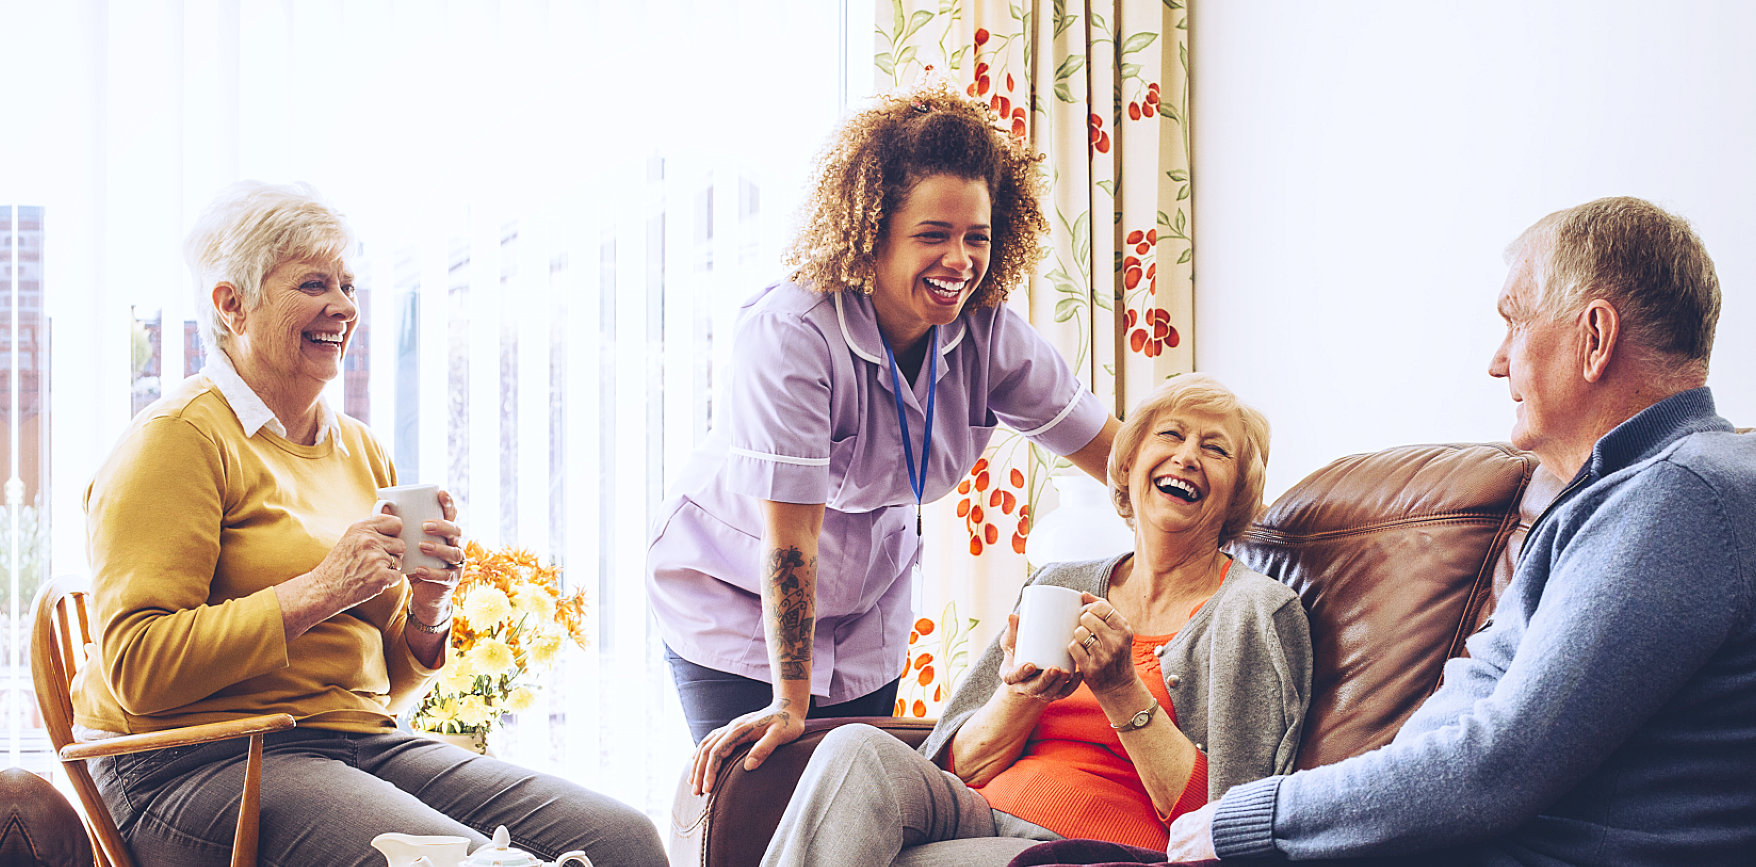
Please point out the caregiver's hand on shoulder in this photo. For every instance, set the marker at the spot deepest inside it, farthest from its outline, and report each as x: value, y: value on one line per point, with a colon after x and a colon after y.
x: 1028, y: 681
x: 771, y: 727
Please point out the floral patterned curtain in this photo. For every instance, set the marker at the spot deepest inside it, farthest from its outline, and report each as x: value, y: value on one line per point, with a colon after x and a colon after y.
x: 1102, y: 89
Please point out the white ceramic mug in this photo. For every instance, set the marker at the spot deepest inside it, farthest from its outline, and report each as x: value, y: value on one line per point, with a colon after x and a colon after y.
x: 1047, y: 616
x: 415, y: 505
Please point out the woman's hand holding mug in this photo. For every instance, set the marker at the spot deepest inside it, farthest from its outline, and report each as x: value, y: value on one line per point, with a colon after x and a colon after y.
x: 1026, y: 679
x: 431, y: 543
x: 1103, y: 646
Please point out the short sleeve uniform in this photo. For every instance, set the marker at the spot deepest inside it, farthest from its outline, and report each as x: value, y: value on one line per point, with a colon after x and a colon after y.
x: 811, y: 417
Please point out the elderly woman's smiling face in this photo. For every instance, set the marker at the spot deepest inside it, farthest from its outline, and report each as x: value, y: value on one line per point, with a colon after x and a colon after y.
x: 1185, y: 472
x: 299, y: 331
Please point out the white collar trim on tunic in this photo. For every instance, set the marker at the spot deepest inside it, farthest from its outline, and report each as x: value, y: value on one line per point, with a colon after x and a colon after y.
x: 253, y: 413
x: 867, y: 324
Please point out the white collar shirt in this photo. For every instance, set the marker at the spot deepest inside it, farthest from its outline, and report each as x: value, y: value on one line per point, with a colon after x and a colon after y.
x: 253, y: 412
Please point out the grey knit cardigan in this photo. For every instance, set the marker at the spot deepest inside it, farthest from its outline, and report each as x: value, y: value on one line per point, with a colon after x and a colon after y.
x: 1239, y: 673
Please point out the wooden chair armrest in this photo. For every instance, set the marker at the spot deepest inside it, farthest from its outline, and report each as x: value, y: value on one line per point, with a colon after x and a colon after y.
x: 179, y: 737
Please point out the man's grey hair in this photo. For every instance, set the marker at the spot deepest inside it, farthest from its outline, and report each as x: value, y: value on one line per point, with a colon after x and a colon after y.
x: 248, y: 230
x: 1647, y: 263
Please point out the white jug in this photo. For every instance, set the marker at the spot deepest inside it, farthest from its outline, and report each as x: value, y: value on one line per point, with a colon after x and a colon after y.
x: 413, y: 850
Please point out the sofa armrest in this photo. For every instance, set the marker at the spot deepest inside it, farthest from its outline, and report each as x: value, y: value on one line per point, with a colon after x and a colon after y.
x: 730, y: 825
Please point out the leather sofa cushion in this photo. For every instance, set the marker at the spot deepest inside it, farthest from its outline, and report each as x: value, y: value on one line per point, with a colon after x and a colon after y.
x: 37, y: 825
x: 1398, y: 556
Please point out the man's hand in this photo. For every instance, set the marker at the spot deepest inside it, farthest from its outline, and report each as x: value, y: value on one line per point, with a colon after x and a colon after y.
x: 1192, y: 837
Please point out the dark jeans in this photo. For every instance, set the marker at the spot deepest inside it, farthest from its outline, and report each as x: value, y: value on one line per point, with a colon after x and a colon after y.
x: 711, y: 698
x: 326, y: 794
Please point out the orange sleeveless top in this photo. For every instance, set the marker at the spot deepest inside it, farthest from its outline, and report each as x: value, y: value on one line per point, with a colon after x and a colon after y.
x: 1075, y: 778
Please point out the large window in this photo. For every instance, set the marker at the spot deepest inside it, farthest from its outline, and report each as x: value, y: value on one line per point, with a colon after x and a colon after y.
x: 560, y: 206
x: 24, y: 460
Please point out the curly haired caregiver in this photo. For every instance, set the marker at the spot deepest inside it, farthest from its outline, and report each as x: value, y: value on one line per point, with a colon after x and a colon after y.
x: 779, y: 568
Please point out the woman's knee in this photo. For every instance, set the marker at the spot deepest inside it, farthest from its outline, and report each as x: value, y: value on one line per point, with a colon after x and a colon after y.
x: 631, y: 837
x: 857, y: 737
x: 864, y: 751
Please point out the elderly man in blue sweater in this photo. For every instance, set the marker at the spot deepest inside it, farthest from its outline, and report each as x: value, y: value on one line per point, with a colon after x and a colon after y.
x: 1608, y: 714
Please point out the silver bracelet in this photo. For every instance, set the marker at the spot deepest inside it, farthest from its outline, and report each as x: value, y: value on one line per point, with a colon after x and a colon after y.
x: 435, y: 629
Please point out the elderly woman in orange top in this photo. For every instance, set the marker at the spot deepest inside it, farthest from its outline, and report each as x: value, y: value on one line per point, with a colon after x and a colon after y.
x: 238, y: 570
x: 1191, y: 675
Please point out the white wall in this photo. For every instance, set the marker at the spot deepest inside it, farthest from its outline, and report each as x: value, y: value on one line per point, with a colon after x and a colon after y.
x: 1360, y: 167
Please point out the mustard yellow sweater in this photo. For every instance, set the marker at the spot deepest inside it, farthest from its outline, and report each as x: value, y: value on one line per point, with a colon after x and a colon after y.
x: 190, y: 526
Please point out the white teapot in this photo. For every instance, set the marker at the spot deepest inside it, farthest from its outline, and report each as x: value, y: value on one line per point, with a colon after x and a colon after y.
x: 500, y: 853
x: 409, y: 850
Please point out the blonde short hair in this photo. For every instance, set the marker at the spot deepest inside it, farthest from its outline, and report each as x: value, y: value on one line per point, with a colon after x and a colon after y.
x: 1196, y: 391
x: 245, y: 232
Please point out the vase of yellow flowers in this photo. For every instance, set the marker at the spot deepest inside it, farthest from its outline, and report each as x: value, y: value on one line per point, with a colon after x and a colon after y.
x: 508, y: 622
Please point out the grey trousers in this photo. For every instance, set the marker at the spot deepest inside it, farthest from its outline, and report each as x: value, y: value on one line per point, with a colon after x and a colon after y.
x: 326, y: 794
x: 867, y: 798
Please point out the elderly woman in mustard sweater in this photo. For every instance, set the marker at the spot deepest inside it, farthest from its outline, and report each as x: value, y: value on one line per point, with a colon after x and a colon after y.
x: 1191, y: 674
x: 237, y: 570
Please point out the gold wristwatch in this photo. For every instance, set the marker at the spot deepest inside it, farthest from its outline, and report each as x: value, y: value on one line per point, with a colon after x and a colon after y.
x: 1139, y: 720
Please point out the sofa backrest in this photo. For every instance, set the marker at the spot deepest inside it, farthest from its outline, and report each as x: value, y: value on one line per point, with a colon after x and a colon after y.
x: 1399, y: 556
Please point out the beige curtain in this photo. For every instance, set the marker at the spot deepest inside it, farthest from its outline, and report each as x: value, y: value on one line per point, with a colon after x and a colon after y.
x: 1102, y: 89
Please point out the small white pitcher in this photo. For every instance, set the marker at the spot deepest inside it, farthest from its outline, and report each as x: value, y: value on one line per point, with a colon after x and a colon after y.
x: 413, y: 850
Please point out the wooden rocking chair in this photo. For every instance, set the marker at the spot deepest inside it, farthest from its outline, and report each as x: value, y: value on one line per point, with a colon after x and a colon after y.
x: 59, y: 641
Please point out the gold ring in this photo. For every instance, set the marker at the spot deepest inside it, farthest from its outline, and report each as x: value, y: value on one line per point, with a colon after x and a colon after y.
x: 1088, y: 640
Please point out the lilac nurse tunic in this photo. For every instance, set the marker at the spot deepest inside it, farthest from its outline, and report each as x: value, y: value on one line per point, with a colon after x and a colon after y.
x: 811, y: 418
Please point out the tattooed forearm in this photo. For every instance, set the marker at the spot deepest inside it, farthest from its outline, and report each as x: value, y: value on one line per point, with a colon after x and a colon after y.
x: 790, y: 597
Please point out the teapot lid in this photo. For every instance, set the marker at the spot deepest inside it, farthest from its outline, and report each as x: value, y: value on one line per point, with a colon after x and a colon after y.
x: 499, y: 853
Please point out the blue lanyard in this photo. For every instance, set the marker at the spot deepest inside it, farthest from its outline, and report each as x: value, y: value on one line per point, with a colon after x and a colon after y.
x: 917, y: 479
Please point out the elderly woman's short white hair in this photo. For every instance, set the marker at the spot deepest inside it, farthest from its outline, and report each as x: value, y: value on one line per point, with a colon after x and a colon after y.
x: 248, y: 230
x: 1196, y: 391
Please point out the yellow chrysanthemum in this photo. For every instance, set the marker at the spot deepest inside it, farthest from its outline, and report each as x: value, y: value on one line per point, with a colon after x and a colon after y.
x: 444, y: 710
x: 520, y: 699
x: 455, y: 680
x: 472, y: 710
x: 512, y: 621
x: 490, y: 656
x: 544, y: 647
x: 461, y: 664
x: 537, y: 604
x: 485, y: 606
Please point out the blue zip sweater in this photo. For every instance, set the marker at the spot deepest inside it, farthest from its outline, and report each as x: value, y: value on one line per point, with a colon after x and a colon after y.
x: 1606, y: 716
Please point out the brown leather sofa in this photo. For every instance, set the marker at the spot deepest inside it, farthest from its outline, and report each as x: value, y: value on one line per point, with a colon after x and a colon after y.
x: 1399, y: 556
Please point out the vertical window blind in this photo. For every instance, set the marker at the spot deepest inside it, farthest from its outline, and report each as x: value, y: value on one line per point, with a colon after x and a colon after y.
x: 559, y: 207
